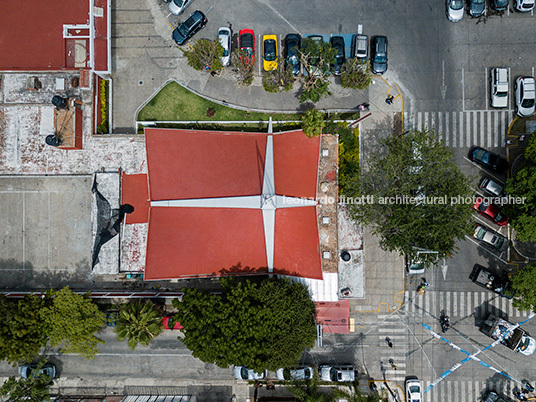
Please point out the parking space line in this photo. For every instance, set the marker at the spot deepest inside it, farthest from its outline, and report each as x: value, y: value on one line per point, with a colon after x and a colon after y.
x: 488, y: 83
x: 463, y: 89
x: 259, y: 48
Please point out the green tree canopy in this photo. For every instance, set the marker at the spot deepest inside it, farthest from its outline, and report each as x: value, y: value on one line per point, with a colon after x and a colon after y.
x: 32, y: 389
x: 355, y: 74
x: 140, y: 322
x: 406, y: 195
x: 205, y: 55
x: 22, y: 331
x: 262, y: 326
x: 312, y: 122
x: 244, y: 66
x: 279, y: 79
x: 524, y: 289
x: 73, y: 320
x: 315, y: 57
x: 523, y: 215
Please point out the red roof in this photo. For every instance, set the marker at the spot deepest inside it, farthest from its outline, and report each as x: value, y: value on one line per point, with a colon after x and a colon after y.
x: 32, y: 32
x: 195, y: 241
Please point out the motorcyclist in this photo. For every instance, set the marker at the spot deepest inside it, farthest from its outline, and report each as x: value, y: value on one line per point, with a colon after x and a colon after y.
x: 445, y: 323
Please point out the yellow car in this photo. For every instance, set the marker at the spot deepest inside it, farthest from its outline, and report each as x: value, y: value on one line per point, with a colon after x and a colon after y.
x: 269, y: 52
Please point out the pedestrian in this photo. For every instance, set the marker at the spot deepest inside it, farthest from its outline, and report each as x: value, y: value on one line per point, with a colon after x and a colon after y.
x: 389, y: 343
x: 389, y: 99
x: 424, y: 282
x: 509, y: 142
x: 393, y: 365
x: 522, y: 138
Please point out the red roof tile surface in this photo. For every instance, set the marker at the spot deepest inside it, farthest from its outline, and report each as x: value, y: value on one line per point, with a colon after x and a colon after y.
x: 187, y: 164
x: 32, y: 32
x: 134, y: 191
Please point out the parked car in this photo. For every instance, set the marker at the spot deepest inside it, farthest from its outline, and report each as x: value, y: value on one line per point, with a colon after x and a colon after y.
x: 455, y: 10
x: 269, y: 52
x: 525, y: 93
x: 499, y: 284
x: 499, y: 5
x: 246, y: 42
x: 360, y: 46
x: 499, y: 87
x: 337, y: 42
x: 243, y: 373
x: 292, y: 57
x: 344, y: 373
x: 170, y: 324
x: 490, y: 211
x: 188, y: 28
x: 491, y: 187
x: 379, y: 54
x: 177, y: 7
x: 48, y: 369
x: 488, y: 160
x: 489, y: 237
x: 477, y: 7
x: 413, y: 390
x: 524, y: 5
x: 414, y: 267
x: 224, y: 36
x: 299, y: 373
x: 313, y: 62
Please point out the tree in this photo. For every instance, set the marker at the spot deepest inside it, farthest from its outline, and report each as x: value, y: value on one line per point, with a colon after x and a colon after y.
x: 280, y: 79
x: 530, y: 150
x: 524, y: 289
x: 262, y: 326
x: 310, y: 391
x: 33, y: 389
x: 315, y: 57
x: 244, y: 66
x: 140, y: 322
x: 523, y: 215
x: 73, y: 320
x: 355, y: 74
x: 22, y: 331
x: 205, y: 55
x: 413, y: 196
x: 312, y: 122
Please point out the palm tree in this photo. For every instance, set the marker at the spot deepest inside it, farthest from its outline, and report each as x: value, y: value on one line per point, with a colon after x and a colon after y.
x: 140, y: 322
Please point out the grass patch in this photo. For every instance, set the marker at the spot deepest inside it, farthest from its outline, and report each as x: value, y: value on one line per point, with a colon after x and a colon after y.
x: 175, y: 103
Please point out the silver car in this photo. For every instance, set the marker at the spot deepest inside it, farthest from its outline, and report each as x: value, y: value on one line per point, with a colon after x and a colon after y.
x: 243, y: 373
x: 178, y: 6
x: 299, y: 373
x: 345, y: 373
x: 491, y: 238
x: 224, y: 36
x: 48, y: 369
x: 455, y: 10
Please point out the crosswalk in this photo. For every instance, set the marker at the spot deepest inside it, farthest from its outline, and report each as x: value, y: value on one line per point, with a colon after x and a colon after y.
x: 467, y: 391
x: 390, y: 327
x: 463, y: 129
x: 460, y: 304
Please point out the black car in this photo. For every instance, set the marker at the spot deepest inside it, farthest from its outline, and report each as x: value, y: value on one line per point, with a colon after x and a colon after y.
x: 292, y: 58
x: 379, y: 54
x: 477, y: 7
x: 499, y: 284
x: 488, y: 160
x: 188, y: 28
x: 499, y: 5
x: 337, y: 42
x: 492, y: 396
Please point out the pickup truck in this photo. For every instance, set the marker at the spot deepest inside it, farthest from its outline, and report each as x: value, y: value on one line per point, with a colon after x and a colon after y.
x: 518, y: 339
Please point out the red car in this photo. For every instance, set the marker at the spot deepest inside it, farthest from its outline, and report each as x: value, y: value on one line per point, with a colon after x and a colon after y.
x: 490, y: 211
x: 246, y: 42
x: 168, y: 323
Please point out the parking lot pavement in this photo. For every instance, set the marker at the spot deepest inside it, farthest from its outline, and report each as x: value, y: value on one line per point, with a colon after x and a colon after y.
x: 47, y: 230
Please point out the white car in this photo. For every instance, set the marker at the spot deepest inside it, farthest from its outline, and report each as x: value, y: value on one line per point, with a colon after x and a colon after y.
x: 345, y: 373
x: 178, y: 6
x: 525, y: 93
x: 224, y: 36
x: 455, y: 10
x: 527, y: 345
x: 243, y: 373
x: 490, y: 238
x: 413, y: 390
x: 299, y: 373
x: 499, y: 87
x: 524, y: 5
